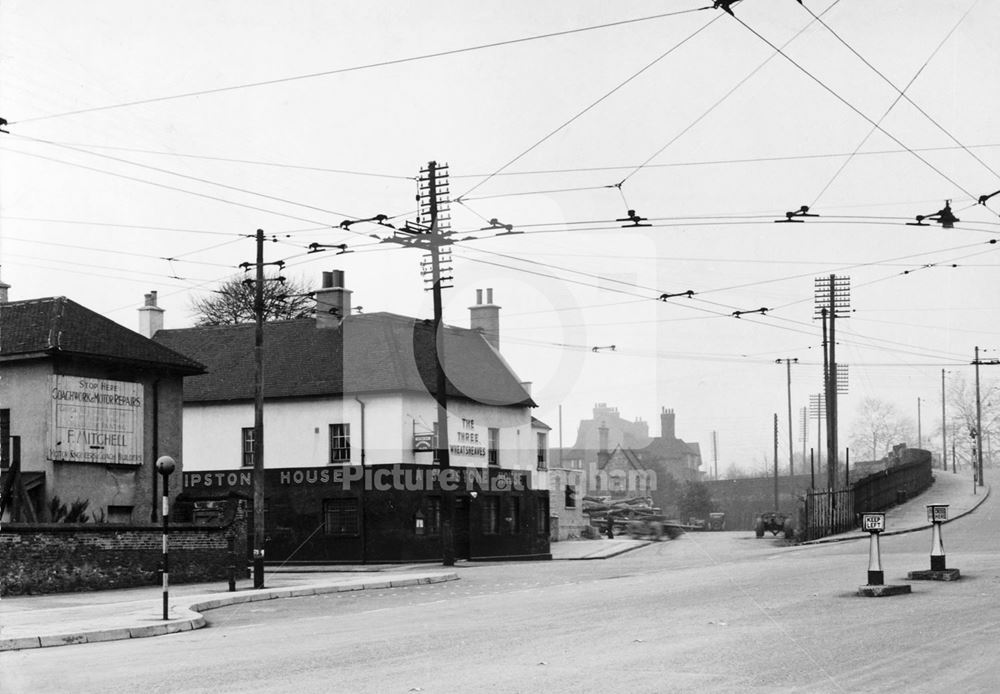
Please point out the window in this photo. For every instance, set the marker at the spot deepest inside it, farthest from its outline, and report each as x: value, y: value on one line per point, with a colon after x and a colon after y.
x: 248, y: 439
x: 512, y: 518
x: 340, y: 516
x: 491, y: 515
x: 543, y: 451
x: 493, y: 444
x: 340, y: 443
x: 570, y: 496
x: 542, y: 516
x: 432, y: 516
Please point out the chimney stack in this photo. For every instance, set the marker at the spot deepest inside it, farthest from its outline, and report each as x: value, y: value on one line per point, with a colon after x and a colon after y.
x: 485, y: 317
x: 667, y: 430
x: 3, y: 291
x: 150, y: 316
x: 333, y: 301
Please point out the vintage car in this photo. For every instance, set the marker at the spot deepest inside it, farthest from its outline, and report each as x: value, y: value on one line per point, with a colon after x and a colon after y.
x: 774, y: 522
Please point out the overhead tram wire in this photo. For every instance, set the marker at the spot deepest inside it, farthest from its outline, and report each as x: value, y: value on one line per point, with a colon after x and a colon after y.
x: 356, y: 68
x: 723, y: 98
x: 855, y: 109
x: 902, y: 92
x: 125, y: 226
x: 717, y: 162
x: 185, y: 176
x: 167, y: 187
x: 901, y: 95
x: 592, y: 105
x: 229, y: 160
x: 92, y: 249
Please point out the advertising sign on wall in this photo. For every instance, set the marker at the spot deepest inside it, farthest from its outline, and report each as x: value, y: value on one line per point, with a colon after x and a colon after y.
x: 94, y: 420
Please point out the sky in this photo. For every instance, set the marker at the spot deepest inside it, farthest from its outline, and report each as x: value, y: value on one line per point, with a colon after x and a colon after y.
x: 148, y: 141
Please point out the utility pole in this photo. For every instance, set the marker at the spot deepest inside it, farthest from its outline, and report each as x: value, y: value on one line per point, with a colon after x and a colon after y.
x: 258, y: 407
x: 432, y: 233
x: 804, y: 428
x: 776, y: 507
x: 818, y: 412
x: 920, y: 435
x: 832, y: 299
x: 788, y: 367
x: 978, y: 463
x: 944, y: 428
x: 715, y: 452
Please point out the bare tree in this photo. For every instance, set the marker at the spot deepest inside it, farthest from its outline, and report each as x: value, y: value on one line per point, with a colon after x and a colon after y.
x: 232, y: 302
x: 961, y: 401
x: 878, y: 426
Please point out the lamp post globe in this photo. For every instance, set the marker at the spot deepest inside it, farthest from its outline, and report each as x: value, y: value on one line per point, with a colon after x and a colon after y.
x: 165, y: 465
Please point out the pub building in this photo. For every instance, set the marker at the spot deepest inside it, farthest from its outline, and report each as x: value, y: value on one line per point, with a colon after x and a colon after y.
x: 350, y: 433
x: 86, y: 407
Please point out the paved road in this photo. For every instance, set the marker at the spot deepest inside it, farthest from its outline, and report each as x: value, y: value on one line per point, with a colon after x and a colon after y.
x: 711, y: 612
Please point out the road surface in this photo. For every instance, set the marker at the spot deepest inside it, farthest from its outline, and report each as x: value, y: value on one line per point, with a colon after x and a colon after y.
x: 710, y: 612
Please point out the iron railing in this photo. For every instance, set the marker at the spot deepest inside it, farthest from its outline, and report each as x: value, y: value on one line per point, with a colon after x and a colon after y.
x: 832, y: 511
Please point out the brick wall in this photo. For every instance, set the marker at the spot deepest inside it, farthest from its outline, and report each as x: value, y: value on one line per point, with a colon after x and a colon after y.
x: 63, y: 557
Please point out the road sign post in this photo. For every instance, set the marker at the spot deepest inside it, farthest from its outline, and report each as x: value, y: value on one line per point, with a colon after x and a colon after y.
x: 936, y: 514
x: 874, y: 524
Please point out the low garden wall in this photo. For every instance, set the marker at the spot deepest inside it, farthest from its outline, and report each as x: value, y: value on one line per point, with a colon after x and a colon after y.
x: 65, y: 557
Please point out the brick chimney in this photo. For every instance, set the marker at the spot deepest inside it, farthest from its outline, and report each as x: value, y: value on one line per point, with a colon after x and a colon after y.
x: 603, y: 454
x: 333, y: 301
x: 667, y: 430
x: 486, y: 318
x: 150, y: 316
x: 3, y: 291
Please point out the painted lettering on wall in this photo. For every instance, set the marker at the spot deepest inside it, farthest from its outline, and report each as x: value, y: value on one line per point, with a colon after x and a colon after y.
x: 94, y: 420
x: 468, y: 440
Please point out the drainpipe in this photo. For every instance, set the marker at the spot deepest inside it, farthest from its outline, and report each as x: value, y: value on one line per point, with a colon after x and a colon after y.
x: 156, y: 449
x: 361, y: 496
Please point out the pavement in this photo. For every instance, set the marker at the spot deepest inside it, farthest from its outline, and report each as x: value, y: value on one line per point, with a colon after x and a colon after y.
x: 63, y: 619
x: 956, y: 490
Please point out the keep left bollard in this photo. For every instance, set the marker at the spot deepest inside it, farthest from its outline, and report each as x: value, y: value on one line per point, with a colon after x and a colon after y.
x: 874, y: 523
x: 936, y: 514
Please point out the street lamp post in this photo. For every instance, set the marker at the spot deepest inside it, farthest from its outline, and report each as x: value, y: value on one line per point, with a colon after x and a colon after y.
x: 166, y: 465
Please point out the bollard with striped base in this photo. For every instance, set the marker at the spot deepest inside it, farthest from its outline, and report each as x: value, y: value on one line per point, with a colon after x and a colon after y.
x: 166, y: 465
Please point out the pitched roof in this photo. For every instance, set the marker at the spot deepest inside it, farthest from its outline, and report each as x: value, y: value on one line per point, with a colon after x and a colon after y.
x: 373, y: 352
x: 668, y: 448
x: 56, y: 326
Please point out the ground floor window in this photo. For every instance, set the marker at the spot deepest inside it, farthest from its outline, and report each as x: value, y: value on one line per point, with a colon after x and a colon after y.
x: 340, y: 516
x: 490, y: 508
x: 432, y: 518
x: 512, y: 516
x: 542, y: 516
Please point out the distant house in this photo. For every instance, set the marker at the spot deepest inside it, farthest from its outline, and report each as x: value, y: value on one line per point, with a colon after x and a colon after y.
x: 86, y: 408
x: 350, y: 428
x: 642, y: 465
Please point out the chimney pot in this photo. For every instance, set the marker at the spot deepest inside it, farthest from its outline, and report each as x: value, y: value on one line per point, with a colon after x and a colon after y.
x: 333, y: 301
x: 150, y: 316
x: 486, y: 318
